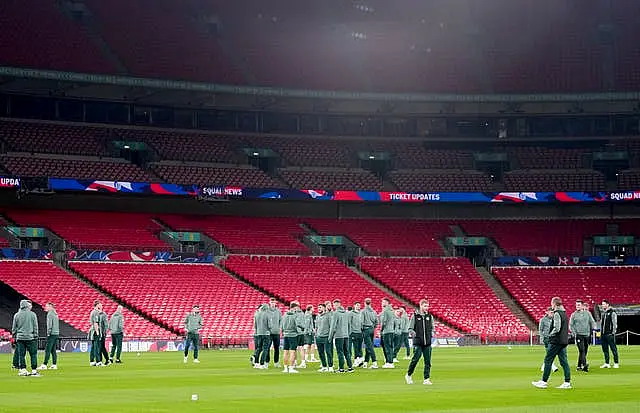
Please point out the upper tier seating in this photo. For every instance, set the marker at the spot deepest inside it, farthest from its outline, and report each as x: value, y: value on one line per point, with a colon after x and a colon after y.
x: 534, y: 287
x: 332, y: 179
x: 42, y: 281
x: 242, y: 175
x: 244, y: 234
x: 547, y: 158
x: 160, y: 39
x: 107, y: 169
x: 550, y: 180
x: 167, y: 292
x: 40, y: 36
x: 426, y: 180
x: 456, y: 292
x: 629, y: 180
x: 537, y: 237
x: 25, y: 136
x: 387, y: 236
x: 96, y: 230
x: 310, y: 280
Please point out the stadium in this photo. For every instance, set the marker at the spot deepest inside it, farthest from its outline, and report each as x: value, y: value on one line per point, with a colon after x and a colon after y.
x: 170, y: 171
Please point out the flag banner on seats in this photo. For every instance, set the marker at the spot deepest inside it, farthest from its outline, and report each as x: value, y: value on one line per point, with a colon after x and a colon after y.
x: 132, y: 256
x: 25, y: 254
x: 239, y: 192
x: 563, y: 261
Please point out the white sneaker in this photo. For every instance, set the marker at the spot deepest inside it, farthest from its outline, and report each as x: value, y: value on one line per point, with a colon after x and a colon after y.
x: 605, y: 366
x: 23, y: 372
x: 565, y: 385
x: 388, y: 366
x: 330, y: 370
x: 303, y: 365
x: 264, y: 366
x: 286, y: 369
x: 540, y: 384
x: 396, y: 361
x: 292, y: 370
x: 256, y: 366
x: 92, y: 364
x: 99, y: 364
x: 43, y: 367
x: 186, y: 359
x: 616, y: 366
x: 277, y: 365
x: 323, y: 369
x: 53, y: 367
x: 408, y: 379
x: 374, y: 365
x: 427, y: 382
x: 196, y: 361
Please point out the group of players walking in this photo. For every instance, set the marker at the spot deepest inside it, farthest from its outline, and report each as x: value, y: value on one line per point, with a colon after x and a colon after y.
x: 345, y: 330
x: 555, y: 328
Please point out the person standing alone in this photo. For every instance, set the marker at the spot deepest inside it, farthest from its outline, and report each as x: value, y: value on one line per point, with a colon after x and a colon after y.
x: 25, y: 331
x: 53, y: 332
x: 193, y: 325
x: 423, y: 330
x: 608, y: 328
x: 558, y: 341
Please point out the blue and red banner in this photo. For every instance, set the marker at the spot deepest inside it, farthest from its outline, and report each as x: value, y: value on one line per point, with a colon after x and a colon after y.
x: 238, y: 192
x: 130, y: 256
x: 9, y: 182
x: 562, y: 261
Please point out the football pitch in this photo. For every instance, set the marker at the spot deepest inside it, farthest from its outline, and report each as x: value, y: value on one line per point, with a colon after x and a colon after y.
x: 471, y: 379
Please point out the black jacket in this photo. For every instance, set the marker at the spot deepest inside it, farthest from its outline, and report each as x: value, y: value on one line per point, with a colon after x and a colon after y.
x: 423, y: 328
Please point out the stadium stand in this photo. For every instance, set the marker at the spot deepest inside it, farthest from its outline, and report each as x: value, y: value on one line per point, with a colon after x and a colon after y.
x: 42, y: 281
x: 537, y: 237
x: 457, y: 293
x: 40, y: 36
x: 245, y: 234
x: 167, y: 292
x: 332, y: 179
x: 418, y: 180
x: 181, y: 50
x: 533, y: 287
x: 629, y: 179
x: 96, y: 230
x: 5, y: 335
x: 215, y: 174
x: 387, y: 236
x: 580, y: 180
x: 58, y: 166
x: 310, y: 280
x: 537, y: 157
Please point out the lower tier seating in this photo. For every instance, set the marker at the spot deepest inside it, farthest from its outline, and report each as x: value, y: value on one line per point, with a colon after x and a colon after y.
x: 42, y: 281
x: 167, y: 292
x: 534, y: 287
x: 457, y: 293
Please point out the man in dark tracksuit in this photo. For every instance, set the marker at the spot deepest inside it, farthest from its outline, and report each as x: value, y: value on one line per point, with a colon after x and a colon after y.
x: 369, y: 324
x: 340, y: 332
x: 558, y: 341
x: 53, y: 332
x: 104, y: 326
x: 94, y: 334
x: 264, y: 338
x: 608, y: 328
x: 544, y: 328
x: 404, y: 336
x: 325, y: 350
x: 25, y: 331
x: 116, y: 326
x: 192, y: 324
x: 355, y: 334
x: 423, y: 330
x: 275, y: 321
x: 580, y: 324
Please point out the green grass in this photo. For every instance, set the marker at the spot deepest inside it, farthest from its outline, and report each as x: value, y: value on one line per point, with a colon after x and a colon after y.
x: 472, y: 379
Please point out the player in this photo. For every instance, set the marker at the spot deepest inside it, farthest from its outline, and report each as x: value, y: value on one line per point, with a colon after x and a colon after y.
x: 387, y: 321
x: 397, y: 334
x: 580, y: 325
x: 264, y: 338
x: 116, y: 325
x: 104, y: 325
x: 192, y: 324
x: 255, y: 357
x: 308, y: 334
x: 404, y: 335
x: 355, y: 334
x: 275, y: 323
x: 544, y: 328
x: 325, y: 347
x: 340, y: 332
x: 608, y: 328
x: 423, y: 330
x: 558, y: 341
x: 300, y: 320
x: 369, y: 324
x: 53, y: 332
x: 25, y: 331
x: 94, y: 334
x: 290, y: 332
